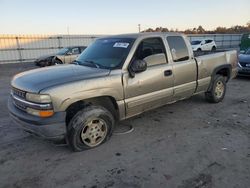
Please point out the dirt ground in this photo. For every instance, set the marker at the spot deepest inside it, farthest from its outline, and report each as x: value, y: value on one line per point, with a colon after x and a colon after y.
x: 189, y: 144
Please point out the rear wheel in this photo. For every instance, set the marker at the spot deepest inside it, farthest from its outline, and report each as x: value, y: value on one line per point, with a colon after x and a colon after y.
x: 213, y: 49
x: 89, y: 128
x: 217, y: 90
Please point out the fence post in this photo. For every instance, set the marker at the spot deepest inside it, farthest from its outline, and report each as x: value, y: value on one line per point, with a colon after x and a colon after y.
x: 19, y: 49
x: 223, y: 38
x: 59, y: 42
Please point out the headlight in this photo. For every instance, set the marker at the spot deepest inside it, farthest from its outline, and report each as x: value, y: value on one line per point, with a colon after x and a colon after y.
x: 39, y: 98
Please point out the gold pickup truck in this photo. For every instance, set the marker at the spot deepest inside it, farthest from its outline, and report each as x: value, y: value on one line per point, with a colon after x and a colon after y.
x: 115, y: 78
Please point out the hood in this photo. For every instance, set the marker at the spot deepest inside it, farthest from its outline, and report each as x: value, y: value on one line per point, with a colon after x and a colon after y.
x: 36, y: 80
x: 245, y: 58
x: 45, y: 56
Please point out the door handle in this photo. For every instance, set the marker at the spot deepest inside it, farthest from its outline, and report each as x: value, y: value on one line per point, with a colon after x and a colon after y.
x: 168, y: 72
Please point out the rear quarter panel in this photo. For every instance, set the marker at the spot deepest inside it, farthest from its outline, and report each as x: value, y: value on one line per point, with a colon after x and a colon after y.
x: 208, y: 64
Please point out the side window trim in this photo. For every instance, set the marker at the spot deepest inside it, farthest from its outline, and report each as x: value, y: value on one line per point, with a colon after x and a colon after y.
x: 163, y: 45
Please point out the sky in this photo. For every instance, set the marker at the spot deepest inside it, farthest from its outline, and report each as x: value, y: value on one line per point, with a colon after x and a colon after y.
x: 116, y: 16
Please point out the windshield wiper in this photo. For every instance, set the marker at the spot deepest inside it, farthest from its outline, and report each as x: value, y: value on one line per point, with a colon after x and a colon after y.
x: 93, y: 63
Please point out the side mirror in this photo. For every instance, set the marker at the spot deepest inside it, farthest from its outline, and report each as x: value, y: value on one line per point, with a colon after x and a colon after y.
x: 137, y: 66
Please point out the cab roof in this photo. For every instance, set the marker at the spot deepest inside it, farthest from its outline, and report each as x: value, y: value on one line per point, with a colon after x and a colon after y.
x: 144, y: 34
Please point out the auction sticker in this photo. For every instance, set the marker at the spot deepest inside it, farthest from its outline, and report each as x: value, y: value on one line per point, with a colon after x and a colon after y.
x: 121, y: 45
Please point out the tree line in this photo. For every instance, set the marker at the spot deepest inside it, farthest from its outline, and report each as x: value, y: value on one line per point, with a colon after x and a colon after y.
x: 200, y: 30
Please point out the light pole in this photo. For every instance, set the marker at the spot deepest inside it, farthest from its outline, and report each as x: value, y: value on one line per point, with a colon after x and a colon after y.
x: 139, y: 27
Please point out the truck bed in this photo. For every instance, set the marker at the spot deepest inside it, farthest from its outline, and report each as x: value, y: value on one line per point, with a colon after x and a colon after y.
x: 197, y: 54
x: 209, y: 61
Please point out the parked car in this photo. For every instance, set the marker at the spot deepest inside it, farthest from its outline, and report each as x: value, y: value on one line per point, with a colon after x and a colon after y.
x: 244, y: 63
x: 245, y: 42
x: 64, y: 56
x: 204, y: 45
x: 115, y: 78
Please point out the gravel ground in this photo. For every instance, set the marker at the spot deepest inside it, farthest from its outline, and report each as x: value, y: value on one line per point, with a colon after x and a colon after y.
x: 189, y: 144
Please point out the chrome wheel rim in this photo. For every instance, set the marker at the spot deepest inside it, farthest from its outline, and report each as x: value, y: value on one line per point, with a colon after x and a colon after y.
x: 219, y: 89
x: 94, y: 132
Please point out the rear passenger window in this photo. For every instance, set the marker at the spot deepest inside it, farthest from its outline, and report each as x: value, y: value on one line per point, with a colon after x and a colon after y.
x: 153, y: 50
x: 208, y: 41
x: 75, y: 51
x: 178, y: 48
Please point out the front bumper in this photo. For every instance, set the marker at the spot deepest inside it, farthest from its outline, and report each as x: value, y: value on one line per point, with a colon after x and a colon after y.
x: 243, y: 71
x: 42, y: 62
x: 52, y: 128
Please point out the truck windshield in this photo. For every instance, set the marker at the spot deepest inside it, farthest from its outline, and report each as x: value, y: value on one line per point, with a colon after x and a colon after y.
x: 107, y: 53
x: 195, y: 42
x: 62, y: 51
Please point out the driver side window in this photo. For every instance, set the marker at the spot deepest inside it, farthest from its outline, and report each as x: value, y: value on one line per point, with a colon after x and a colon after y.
x: 151, y: 50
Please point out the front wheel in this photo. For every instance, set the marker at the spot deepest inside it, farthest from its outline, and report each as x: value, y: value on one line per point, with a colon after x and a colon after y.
x: 89, y: 128
x: 217, y: 90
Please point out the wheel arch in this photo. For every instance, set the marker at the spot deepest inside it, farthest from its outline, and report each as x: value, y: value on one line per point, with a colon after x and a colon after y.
x: 107, y: 102
x: 58, y: 59
x: 223, y: 70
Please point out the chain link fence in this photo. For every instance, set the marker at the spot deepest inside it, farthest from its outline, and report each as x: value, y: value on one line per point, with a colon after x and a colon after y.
x: 26, y: 48
x: 223, y: 41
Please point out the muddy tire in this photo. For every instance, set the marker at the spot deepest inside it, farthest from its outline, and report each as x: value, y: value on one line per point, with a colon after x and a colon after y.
x: 217, y: 90
x: 90, y: 128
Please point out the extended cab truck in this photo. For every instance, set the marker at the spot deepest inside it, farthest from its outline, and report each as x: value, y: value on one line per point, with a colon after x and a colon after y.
x: 113, y: 79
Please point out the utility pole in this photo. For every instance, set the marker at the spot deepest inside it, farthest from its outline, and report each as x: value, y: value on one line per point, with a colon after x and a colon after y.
x: 139, y: 27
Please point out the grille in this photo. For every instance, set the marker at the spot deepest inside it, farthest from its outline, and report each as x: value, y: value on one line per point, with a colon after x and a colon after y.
x: 19, y: 93
x: 243, y: 64
x: 19, y: 105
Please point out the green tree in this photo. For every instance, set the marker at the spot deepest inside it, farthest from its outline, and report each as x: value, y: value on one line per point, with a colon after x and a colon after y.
x: 201, y: 30
x: 248, y: 24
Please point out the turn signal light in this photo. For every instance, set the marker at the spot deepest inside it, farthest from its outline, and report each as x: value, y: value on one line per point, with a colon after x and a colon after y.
x: 46, y: 113
x: 40, y: 113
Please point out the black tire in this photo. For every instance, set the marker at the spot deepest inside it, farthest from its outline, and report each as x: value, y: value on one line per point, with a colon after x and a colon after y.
x: 213, y: 49
x: 217, y: 90
x: 199, y: 50
x: 82, y: 123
